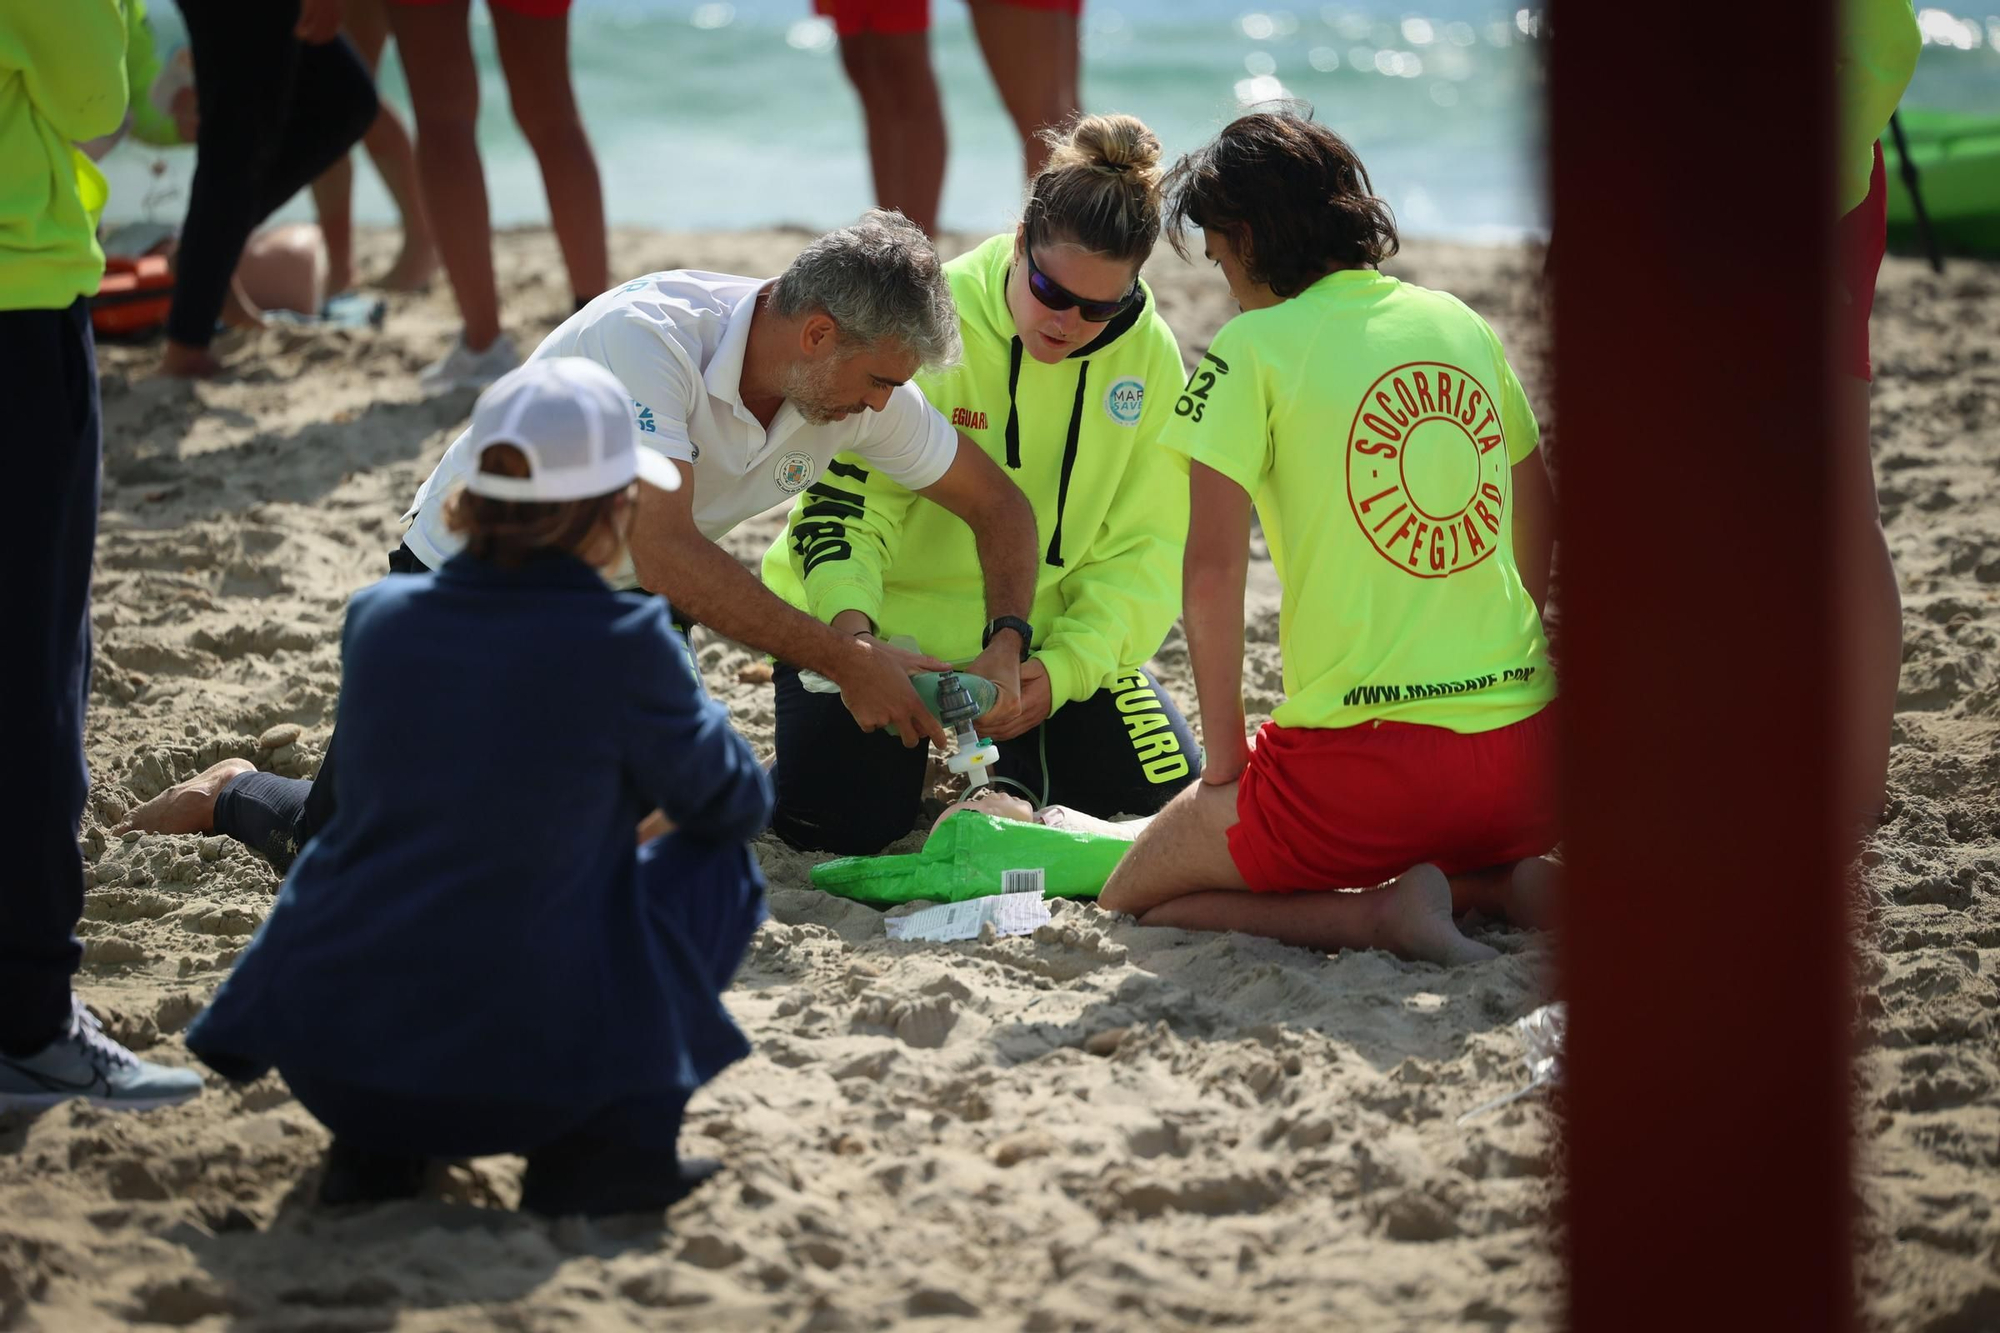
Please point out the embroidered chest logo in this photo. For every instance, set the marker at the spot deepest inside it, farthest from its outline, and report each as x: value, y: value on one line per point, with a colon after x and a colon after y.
x: 1124, y: 399
x: 1427, y: 469
x: 794, y: 473
x: 966, y: 418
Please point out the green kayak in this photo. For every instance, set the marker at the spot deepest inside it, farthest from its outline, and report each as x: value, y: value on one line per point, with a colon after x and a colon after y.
x: 1958, y: 171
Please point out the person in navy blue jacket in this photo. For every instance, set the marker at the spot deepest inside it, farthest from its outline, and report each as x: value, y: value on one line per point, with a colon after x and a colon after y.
x: 474, y: 957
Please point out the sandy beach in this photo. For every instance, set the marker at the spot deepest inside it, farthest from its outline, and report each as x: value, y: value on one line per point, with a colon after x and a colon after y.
x: 1098, y: 1127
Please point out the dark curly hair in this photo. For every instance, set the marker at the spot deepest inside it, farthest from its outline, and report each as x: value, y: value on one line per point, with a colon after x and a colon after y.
x: 1291, y: 194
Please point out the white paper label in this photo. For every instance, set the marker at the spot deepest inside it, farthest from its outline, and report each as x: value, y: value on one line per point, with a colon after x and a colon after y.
x: 1010, y: 914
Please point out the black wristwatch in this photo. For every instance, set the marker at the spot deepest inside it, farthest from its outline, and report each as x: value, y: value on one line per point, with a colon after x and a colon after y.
x: 1015, y: 623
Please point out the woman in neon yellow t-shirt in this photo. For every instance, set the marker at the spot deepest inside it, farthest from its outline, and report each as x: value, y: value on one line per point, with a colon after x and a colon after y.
x: 1391, y: 456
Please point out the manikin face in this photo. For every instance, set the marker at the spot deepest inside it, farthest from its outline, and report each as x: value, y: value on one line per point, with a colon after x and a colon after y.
x: 831, y: 380
x: 990, y: 800
x: 1249, y: 295
x: 1047, y: 334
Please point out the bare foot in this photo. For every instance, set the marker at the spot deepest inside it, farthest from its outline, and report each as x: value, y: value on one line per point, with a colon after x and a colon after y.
x: 1532, y: 892
x: 413, y: 268
x: 187, y: 807
x: 188, y: 363
x: 339, y: 277
x: 1412, y: 918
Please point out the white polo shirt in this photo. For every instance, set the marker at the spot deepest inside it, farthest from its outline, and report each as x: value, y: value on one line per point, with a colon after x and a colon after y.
x: 676, y: 342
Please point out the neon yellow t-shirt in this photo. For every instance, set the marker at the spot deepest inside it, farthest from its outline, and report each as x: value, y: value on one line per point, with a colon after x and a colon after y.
x: 1874, y: 62
x: 1376, y: 424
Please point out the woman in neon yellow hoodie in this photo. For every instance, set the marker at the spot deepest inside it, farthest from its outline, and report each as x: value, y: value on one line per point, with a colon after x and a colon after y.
x: 1068, y: 377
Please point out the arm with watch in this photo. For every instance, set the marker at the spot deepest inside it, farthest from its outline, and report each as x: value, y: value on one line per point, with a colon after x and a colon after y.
x: 986, y: 500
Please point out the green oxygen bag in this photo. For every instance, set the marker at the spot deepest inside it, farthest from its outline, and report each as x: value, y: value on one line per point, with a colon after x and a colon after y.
x: 972, y: 855
x: 983, y: 691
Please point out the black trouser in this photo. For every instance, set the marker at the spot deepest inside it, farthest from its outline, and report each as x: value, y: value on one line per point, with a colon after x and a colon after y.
x: 275, y: 816
x: 1123, y: 751
x: 275, y: 113
x: 48, y: 381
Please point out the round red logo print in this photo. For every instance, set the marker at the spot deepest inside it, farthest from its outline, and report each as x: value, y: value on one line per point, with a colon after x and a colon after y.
x: 1427, y: 469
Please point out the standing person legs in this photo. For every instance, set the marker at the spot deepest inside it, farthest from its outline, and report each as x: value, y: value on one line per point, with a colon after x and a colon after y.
x: 274, y: 114
x: 49, y: 370
x: 244, y: 59
x: 436, y: 48
x: 886, y: 50
x: 1871, y: 623
x: 395, y: 159
x: 1031, y: 50
x: 891, y: 73
x: 1870, y: 630
x: 50, y: 1048
x: 534, y: 54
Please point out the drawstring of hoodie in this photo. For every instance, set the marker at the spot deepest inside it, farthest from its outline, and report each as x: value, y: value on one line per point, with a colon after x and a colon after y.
x: 1069, y: 445
x: 1069, y: 463
x: 1013, y: 412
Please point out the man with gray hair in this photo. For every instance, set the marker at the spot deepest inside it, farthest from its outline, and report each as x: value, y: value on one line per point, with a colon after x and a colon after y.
x: 751, y: 386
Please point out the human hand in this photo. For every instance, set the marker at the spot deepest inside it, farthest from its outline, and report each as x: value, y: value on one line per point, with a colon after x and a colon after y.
x: 319, y: 21
x: 653, y: 825
x: 875, y: 685
x: 1002, y: 666
x: 911, y: 661
x: 1035, y: 703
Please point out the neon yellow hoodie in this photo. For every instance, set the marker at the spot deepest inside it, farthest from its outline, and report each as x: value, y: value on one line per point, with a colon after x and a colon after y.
x: 1082, y: 440
x: 62, y: 80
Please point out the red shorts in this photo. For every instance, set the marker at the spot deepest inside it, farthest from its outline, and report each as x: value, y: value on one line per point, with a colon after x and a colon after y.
x: 527, y: 9
x: 1350, y: 807
x: 851, y: 17
x: 1859, y: 239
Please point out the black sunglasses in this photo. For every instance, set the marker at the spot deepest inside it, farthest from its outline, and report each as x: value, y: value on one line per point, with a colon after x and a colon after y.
x: 1058, y: 297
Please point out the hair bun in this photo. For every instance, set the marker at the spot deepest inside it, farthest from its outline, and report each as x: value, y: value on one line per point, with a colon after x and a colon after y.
x: 1116, y: 145
x: 1100, y: 188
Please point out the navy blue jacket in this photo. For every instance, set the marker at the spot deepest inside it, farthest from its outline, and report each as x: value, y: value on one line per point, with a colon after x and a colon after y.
x: 470, y: 921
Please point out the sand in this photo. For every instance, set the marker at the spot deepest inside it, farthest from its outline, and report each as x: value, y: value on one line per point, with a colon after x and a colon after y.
x: 1102, y: 1126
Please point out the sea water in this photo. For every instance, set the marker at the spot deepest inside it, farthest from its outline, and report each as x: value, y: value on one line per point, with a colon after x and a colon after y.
x: 736, y: 113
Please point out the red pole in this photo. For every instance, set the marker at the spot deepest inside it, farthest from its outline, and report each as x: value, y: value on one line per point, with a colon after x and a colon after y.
x: 1704, y: 955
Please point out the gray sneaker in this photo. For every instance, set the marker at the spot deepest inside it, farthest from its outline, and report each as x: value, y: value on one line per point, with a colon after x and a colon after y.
x: 83, y: 1062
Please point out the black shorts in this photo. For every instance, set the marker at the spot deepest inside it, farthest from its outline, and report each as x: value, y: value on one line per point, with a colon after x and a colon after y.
x: 1123, y: 751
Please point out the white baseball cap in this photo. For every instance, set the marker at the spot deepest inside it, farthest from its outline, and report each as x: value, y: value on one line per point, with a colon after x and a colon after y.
x: 573, y: 420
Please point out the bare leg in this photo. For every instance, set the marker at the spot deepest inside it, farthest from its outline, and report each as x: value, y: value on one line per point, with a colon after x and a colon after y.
x: 534, y: 53
x: 1524, y: 893
x: 1410, y: 916
x: 891, y: 73
x: 394, y: 156
x: 1179, y: 873
x: 1870, y: 626
x: 187, y: 807
x: 444, y: 92
x: 1032, y: 54
x: 333, y: 201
